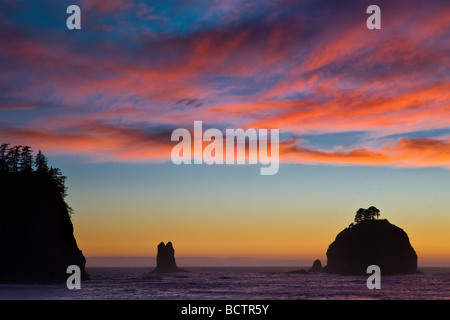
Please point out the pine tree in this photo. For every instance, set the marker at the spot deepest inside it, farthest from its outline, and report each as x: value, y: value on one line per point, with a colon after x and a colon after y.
x: 3, y: 157
x: 40, y: 162
x: 13, y: 157
x: 58, y: 181
x: 26, y: 159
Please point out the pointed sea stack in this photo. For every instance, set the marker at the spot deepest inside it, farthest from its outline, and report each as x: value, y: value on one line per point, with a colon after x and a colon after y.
x: 165, y: 260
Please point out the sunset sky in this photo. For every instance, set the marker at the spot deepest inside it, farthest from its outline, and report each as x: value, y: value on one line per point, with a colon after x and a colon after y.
x: 364, y: 119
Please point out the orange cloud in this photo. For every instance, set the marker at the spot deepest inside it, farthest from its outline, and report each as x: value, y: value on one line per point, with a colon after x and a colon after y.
x: 419, y: 152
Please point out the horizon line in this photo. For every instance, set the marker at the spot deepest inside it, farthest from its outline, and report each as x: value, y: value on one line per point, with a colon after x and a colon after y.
x: 204, y: 261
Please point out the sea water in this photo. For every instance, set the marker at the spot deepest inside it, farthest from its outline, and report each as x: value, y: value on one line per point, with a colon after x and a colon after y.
x: 235, y: 283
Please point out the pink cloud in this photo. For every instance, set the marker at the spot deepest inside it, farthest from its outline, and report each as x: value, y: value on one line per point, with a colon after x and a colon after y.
x: 288, y: 73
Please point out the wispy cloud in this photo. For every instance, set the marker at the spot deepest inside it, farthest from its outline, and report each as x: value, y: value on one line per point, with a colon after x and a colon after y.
x: 114, y: 93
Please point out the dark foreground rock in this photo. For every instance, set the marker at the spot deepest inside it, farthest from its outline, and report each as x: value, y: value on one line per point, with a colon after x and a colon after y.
x: 371, y: 242
x: 37, y: 243
x: 165, y: 259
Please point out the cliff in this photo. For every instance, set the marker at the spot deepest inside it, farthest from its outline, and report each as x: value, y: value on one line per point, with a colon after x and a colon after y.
x: 370, y: 242
x: 36, y: 232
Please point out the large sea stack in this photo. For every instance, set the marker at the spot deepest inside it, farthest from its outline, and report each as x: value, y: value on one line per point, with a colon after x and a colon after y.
x: 371, y: 242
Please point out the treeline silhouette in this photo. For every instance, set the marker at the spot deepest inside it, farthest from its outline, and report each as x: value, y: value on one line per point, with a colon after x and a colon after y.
x: 362, y: 214
x: 19, y: 161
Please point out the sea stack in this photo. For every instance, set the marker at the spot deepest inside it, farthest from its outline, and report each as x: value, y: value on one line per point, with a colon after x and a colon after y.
x: 316, y: 267
x: 165, y: 260
x: 371, y: 242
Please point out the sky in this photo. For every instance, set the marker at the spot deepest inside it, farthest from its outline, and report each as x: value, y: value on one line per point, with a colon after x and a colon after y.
x: 363, y: 115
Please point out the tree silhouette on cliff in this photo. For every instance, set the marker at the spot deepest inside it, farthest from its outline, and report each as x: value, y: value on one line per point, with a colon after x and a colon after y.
x: 18, y: 160
x: 26, y: 159
x: 40, y: 162
x: 3, y: 156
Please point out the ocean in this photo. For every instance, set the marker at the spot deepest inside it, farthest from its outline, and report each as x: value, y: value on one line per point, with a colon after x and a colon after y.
x: 235, y: 283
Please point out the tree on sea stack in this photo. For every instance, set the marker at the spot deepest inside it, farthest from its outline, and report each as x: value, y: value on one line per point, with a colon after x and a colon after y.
x: 371, y: 213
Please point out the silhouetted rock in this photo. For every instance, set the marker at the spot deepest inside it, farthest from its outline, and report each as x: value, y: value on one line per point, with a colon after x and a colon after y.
x: 36, y: 232
x: 165, y: 259
x: 301, y: 271
x: 316, y: 267
x: 371, y: 242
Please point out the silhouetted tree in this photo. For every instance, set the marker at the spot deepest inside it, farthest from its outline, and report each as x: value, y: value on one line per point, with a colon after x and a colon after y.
x: 359, y: 215
x: 12, y: 159
x: 40, y: 162
x: 367, y: 214
x: 58, y: 180
x: 19, y: 160
x: 3, y: 157
x: 26, y: 159
x: 373, y: 213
